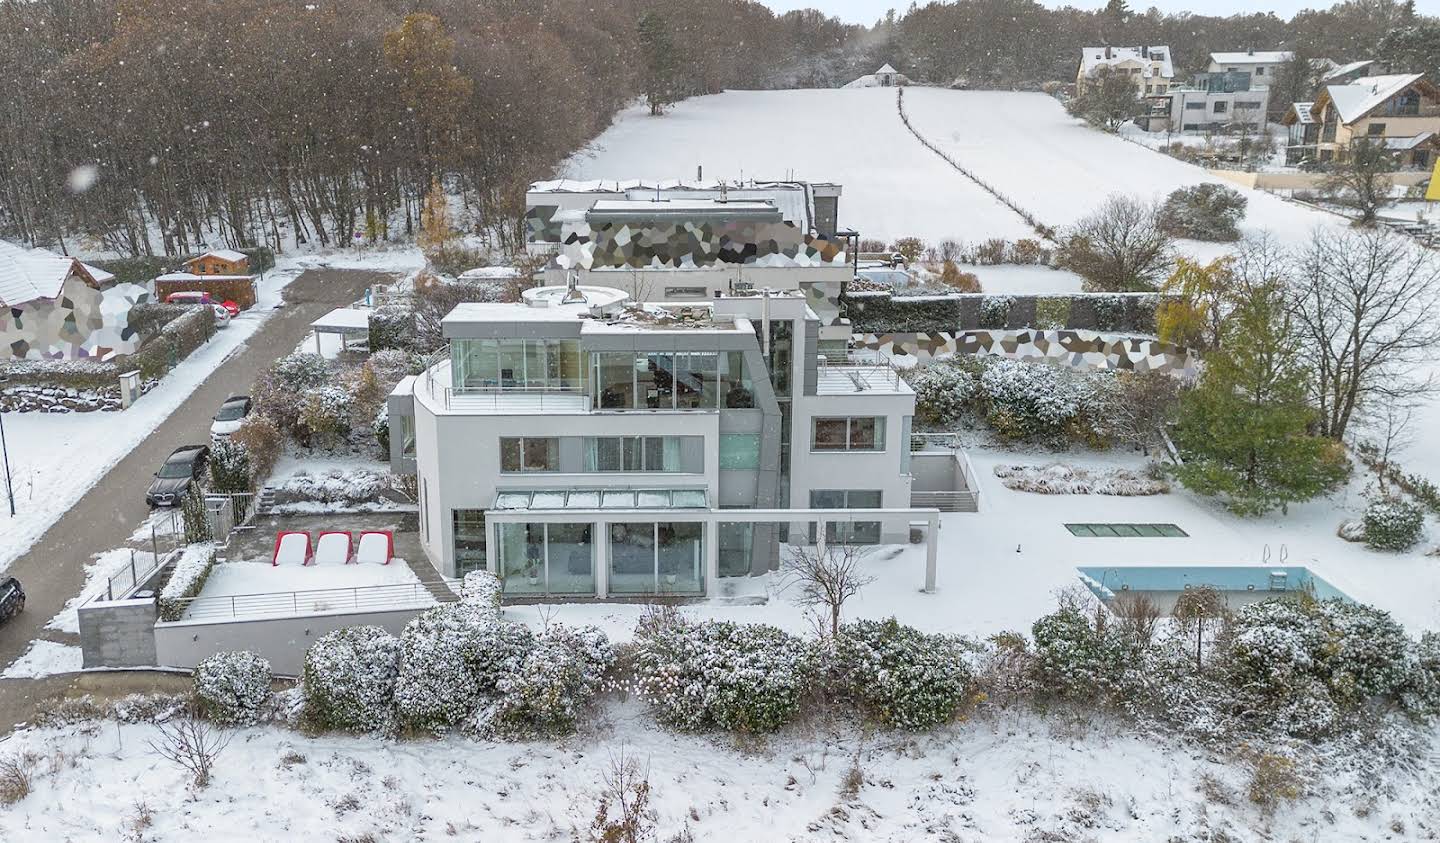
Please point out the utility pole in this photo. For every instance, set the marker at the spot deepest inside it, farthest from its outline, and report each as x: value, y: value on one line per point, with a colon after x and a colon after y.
x: 5, y: 452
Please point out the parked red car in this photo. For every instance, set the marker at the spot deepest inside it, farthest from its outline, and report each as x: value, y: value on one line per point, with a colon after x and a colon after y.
x: 202, y: 297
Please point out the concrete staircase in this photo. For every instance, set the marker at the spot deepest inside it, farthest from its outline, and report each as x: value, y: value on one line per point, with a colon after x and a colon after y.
x: 265, y: 501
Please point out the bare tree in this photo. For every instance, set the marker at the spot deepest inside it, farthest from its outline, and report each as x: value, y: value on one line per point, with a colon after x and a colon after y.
x: 624, y: 814
x: 825, y: 575
x: 1364, y: 302
x: 1122, y: 247
x: 1139, y: 617
x: 1197, y: 611
x: 1392, y: 433
x: 193, y: 744
x: 1362, y: 179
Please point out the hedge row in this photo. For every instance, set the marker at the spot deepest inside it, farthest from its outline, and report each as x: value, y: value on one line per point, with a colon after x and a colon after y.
x: 886, y: 313
x: 176, y: 340
x: 87, y: 375
x: 141, y: 270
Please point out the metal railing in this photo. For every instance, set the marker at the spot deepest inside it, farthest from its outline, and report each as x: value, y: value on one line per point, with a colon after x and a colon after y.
x: 122, y: 582
x: 864, y: 374
x: 516, y: 399
x: 370, y: 598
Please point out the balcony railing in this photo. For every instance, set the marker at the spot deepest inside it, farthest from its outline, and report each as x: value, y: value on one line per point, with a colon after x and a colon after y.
x: 372, y: 598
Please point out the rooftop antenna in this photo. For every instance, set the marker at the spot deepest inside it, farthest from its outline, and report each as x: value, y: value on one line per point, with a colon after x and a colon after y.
x: 573, y: 295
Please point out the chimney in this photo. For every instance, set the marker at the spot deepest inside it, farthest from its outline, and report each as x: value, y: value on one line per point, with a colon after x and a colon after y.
x: 1107, y: 52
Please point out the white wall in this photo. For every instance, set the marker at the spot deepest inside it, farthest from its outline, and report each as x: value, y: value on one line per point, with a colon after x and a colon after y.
x: 283, y: 641
x: 811, y: 469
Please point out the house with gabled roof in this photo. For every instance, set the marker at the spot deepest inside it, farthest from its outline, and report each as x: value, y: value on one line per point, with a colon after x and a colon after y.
x: 1151, y: 68
x: 1400, y: 111
x: 55, y: 306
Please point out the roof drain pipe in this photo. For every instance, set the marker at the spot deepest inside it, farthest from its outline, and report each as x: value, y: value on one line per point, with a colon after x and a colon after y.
x: 765, y: 323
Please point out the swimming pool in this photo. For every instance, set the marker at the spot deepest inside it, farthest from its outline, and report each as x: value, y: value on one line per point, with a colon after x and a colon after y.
x: 1239, y: 584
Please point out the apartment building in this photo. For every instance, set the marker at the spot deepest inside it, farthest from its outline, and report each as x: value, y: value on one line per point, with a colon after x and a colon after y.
x: 1221, y: 103
x: 1400, y: 111
x: 1259, y: 66
x: 583, y: 444
x: 1151, y: 68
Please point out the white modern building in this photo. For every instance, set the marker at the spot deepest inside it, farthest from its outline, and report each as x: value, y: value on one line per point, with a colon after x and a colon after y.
x: 580, y: 444
x: 1260, y: 65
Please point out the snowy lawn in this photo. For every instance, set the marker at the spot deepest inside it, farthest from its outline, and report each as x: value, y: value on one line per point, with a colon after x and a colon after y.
x: 1007, y: 777
x: 44, y: 658
x: 1016, y: 279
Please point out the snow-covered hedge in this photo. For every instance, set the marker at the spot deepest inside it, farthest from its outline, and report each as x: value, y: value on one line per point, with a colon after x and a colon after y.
x: 1076, y: 657
x: 718, y: 674
x: 349, y: 679
x: 232, y: 688
x: 483, y: 589
x: 1393, y: 524
x: 187, y: 578
x: 450, y: 658
x: 1061, y: 479
x: 1421, y: 694
x: 229, y: 466
x: 904, y: 678
x: 1030, y: 399
x: 555, y: 684
x: 335, y: 486
x: 995, y: 311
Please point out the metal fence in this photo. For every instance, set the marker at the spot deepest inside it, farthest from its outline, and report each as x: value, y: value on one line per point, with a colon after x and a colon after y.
x: 372, y: 598
x: 122, y: 582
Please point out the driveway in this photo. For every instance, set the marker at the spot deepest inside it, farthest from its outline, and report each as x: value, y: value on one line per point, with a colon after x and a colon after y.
x: 53, y: 570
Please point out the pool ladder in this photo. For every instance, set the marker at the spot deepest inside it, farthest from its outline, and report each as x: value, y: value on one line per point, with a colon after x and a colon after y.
x: 1279, y: 580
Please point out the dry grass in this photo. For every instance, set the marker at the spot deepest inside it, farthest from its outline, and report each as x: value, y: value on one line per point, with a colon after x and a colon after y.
x: 16, y: 775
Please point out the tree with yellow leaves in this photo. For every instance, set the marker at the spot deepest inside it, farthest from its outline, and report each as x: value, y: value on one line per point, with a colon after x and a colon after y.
x: 435, y: 231
x: 1197, y: 300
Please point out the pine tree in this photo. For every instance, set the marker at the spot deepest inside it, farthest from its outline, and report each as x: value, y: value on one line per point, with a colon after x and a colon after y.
x: 1244, y: 430
x: 660, y: 61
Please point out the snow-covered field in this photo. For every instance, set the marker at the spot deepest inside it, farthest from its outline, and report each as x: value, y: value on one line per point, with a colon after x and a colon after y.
x: 1006, y: 777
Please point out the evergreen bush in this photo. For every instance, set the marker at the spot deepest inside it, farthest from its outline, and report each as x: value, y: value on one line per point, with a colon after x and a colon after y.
x: 232, y: 688
x: 902, y: 677
x: 348, y: 681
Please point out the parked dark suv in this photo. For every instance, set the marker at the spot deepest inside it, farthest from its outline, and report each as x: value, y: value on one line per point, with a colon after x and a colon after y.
x: 12, y: 598
x: 184, y: 466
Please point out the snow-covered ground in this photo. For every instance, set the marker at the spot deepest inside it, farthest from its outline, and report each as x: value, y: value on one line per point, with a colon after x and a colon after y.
x: 1006, y: 777
x: 893, y: 187
x: 43, y: 659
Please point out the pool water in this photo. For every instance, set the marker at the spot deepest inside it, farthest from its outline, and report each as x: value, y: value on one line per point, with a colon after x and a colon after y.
x: 1240, y: 584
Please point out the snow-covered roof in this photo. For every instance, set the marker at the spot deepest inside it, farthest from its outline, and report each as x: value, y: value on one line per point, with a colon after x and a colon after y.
x: 791, y: 197
x: 190, y: 276
x: 648, y: 208
x: 1401, y: 144
x: 1358, y: 98
x: 99, y: 275
x: 229, y: 255
x: 30, y: 274
x: 1346, y: 69
x: 1255, y: 57
x: 1303, y: 114
x: 886, y: 68
x: 1093, y: 58
x: 343, y: 320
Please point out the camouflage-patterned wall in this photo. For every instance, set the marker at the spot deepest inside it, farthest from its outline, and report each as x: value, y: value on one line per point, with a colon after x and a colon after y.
x: 1079, y: 349
x: 541, y: 225
x: 82, y: 322
x: 650, y: 244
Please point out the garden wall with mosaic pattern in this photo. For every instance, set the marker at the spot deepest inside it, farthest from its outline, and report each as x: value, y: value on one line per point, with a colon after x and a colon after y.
x: 1080, y: 349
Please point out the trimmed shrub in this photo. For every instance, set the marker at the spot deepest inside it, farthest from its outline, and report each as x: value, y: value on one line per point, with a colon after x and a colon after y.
x: 1052, y: 314
x: 174, y: 342
x: 349, y: 679
x: 1109, y: 312
x: 392, y: 327
x: 1421, y: 693
x: 722, y: 675
x: 1078, y: 656
x: 381, y: 428
x: 483, y: 589
x: 232, y: 688
x: 325, y: 415
x: 147, y: 318
x: 901, y: 676
x: 450, y: 658
x: 1393, y: 524
x: 187, y: 578
x: 229, y: 466
x: 195, y: 517
x: 555, y: 684
x: 943, y: 392
x: 1203, y: 212
x: 995, y: 311
x: 881, y: 313
x: 1140, y: 314
x: 1031, y: 399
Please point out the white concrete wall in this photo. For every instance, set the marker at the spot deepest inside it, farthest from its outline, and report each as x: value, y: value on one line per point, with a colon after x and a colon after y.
x: 283, y: 641
x: 810, y: 469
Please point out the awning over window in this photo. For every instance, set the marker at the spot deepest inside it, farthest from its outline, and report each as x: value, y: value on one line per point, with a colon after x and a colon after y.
x: 619, y: 499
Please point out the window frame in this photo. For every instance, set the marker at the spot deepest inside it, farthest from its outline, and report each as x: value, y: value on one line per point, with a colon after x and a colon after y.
x: 521, y: 464
x: 876, y: 436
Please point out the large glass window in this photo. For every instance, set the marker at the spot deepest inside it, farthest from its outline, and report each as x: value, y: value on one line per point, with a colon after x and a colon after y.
x: 657, y: 558
x: 736, y: 390
x: 848, y: 532
x: 850, y: 433
x: 615, y: 380
x: 516, y: 364
x: 407, y: 436
x: 695, y: 381
x: 658, y: 376
x: 519, y: 454
x: 734, y: 539
x: 469, y: 540
x: 740, y: 451
x: 633, y: 453
x: 539, y: 558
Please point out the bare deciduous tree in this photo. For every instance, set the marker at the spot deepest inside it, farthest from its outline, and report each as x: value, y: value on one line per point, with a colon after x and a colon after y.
x: 1391, y: 433
x: 624, y: 814
x: 1362, y: 179
x: 1197, y: 611
x: 1364, y: 302
x: 825, y: 576
x: 1121, y: 247
x: 193, y: 744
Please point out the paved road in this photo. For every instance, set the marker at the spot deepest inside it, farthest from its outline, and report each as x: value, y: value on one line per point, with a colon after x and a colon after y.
x: 53, y: 570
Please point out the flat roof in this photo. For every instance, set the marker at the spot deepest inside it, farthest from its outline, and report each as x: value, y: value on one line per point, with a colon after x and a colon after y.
x: 605, y: 209
x: 860, y: 379
x: 343, y: 320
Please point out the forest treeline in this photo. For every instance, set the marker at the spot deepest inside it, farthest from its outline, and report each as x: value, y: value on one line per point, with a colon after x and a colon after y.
x: 154, y: 126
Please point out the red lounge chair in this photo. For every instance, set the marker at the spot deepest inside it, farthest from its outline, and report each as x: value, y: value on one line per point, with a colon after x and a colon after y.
x: 375, y: 546
x: 333, y: 547
x: 291, y: 547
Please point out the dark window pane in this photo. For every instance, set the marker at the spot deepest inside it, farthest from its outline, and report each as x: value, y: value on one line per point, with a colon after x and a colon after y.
x: 510, y: 455
x: 830, y: 434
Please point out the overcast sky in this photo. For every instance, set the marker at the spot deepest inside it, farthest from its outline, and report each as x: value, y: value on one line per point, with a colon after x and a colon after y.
x: 869, y: 11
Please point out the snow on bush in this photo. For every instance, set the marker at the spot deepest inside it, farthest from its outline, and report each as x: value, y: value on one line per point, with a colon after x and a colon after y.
x: 483, y: 589
x: 1061, y: 479
x: 187, y: 578
x: 1078, y: 656
x: 942, y: 393
x: 300, y: 371
x: 995, y: 311
x: 554, y: 685
x: 349, y: 679
x: 353, y: 486
x: 1203, y: 212
x: 380, y: 426
x: 1393, y: 524
x: 450, y: 657
x: 232, y: 688
x: 722, y: 675
x: 229, y: 466
x: 325, y: 414
x: 904, y: 678
x: 1032, y: 399
x: 1421, y: 693
x: 1367, y: 655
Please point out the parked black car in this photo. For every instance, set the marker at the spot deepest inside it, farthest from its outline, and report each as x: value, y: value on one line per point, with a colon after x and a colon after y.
x: 184, y: 466
x: 12, y: 598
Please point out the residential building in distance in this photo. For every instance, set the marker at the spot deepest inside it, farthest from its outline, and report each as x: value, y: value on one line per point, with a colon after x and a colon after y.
x: 1221, y: 102
x: 54, y: 306
x: 219, y: 262
x: 1150, y: 67
x: 583, y: 444
x: 1258, y: 65
x: 1401, y: 111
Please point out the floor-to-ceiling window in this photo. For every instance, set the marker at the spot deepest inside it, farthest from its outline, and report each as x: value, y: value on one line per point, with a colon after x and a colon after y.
x: 648, y: 557
x: 847, y: 532
x: 468, y: 527
x: 533, y: 364
x: 538, y: 558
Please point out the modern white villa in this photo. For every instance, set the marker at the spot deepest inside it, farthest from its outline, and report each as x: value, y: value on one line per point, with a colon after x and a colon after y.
x: 589, y: 442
